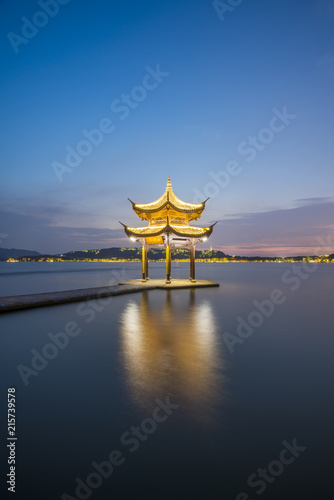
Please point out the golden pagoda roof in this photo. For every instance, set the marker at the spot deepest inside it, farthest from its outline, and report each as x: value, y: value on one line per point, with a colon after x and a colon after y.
x: 168, y: 199
x: 183, y: 231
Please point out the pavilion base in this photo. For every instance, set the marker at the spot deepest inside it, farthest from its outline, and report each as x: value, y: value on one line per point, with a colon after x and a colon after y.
x: 174, y: 283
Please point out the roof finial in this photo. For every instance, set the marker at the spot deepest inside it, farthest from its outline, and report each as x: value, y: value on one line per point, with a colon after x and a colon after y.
x: 169, y: 184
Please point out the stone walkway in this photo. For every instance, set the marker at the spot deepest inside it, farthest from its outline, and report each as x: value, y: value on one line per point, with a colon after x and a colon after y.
x: 18, y: 302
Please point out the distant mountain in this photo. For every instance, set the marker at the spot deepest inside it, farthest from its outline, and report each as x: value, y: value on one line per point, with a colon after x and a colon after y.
x: 14, y: 253
x: 135, y: 253
x: 108, y: 253
x: 104, y: 253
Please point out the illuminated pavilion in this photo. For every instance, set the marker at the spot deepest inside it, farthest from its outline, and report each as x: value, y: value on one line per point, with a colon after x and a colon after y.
x: 168, y: 228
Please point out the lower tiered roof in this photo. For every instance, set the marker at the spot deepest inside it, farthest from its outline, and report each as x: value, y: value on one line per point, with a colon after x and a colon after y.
x: 183, y: 231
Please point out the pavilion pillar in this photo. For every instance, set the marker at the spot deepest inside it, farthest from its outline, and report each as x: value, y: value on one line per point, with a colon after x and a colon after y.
x: 146, y: 263
x: 143, y: 262
x: 192, y: 263
x: 168, y: 261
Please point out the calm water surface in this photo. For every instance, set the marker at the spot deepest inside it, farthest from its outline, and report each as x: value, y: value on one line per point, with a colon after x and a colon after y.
x: 233, y: 399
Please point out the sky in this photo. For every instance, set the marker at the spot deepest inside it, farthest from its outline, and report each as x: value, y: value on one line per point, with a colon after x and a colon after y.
x: 233, y: 99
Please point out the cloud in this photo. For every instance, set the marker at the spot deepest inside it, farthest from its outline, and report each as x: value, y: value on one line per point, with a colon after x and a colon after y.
x: 76, y: 206
x: 310, y: 201
x: 283, y: 232
x: 278, y: 232
x: 39, y: 233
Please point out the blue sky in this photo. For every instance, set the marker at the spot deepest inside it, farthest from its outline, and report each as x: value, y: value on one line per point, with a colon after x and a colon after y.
x: 223, y: 80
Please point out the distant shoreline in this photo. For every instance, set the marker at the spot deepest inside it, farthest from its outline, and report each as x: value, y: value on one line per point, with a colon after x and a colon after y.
x: 125, y: 254
x: 314, y: 259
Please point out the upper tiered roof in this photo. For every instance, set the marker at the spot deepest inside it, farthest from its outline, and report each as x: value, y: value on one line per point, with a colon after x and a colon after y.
x: 168, y: 200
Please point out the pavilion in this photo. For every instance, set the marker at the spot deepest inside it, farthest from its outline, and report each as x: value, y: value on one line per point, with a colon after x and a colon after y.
x: 168, y: 228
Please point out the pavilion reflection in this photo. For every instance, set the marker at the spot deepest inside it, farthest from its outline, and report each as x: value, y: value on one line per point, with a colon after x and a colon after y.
x: 170, y: 346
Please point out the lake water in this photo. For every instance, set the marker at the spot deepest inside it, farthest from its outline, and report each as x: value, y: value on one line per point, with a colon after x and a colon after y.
x: 181, y: 394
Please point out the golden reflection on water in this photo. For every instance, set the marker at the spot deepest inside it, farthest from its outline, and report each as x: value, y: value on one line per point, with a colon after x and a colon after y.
x: 170, y: 346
